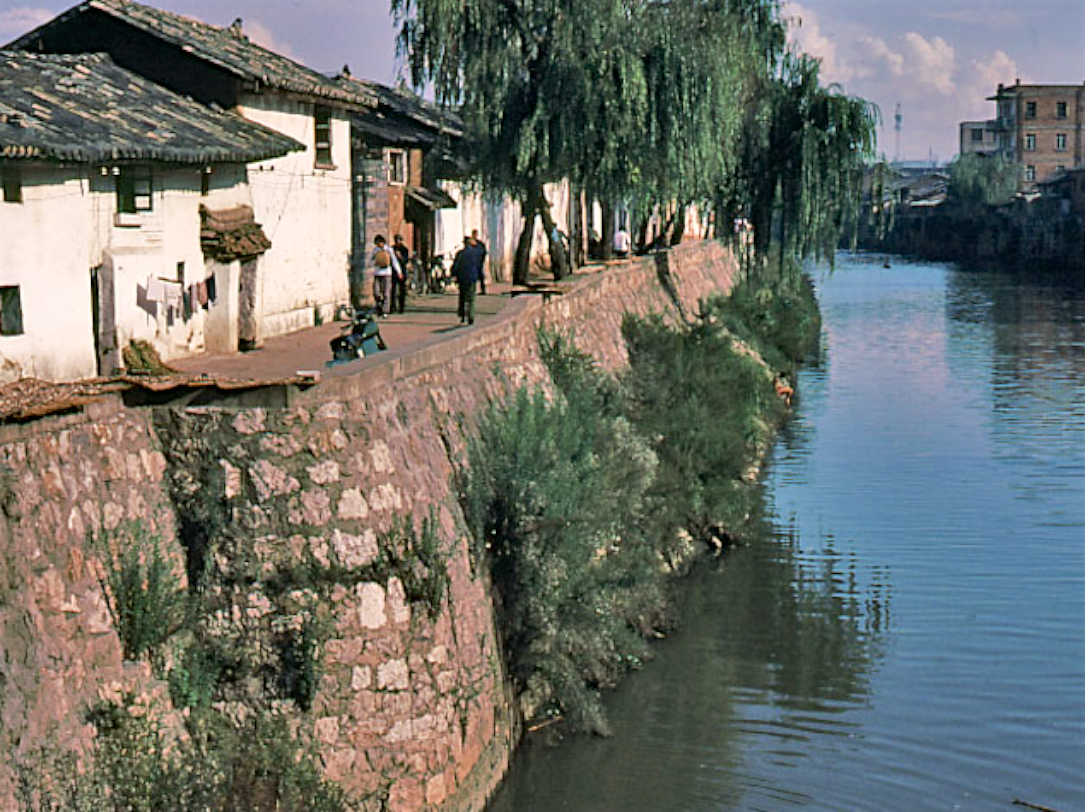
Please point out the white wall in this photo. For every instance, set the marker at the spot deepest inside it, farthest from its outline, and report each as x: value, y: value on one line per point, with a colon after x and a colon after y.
x: 68, y: 224
x: 305, y: 212
x: 45, y: 251
x: 498, y: 222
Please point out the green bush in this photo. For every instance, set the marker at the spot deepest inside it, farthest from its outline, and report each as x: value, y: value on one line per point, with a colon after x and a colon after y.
x: 143, y: 590
x: 554, y: 496
x: 708, y: 407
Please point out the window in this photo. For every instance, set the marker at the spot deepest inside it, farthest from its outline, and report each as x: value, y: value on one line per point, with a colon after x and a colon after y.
x: 322, y: 122
x: 134, y: 190
x: 13, y: 186
x: 1030, y: 173
x: 397, y: 166
x: 1060, y: 109
x: 205, y: 181
x: 1030, y: 142
x: 1030, y: 109
x: 977, y: 135
x: 1060, y: 142
x: 11, y: 311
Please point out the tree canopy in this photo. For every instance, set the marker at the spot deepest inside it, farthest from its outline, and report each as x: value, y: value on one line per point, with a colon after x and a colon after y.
x: 650, y: 101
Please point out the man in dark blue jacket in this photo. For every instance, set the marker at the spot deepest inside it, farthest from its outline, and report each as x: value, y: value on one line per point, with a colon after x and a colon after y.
x: 467, y: 268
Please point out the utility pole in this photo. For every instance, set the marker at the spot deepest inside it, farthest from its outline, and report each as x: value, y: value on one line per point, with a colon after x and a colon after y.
x: 899, y: 119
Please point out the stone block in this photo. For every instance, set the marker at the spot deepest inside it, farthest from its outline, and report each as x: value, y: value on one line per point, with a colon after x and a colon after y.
x: 352, y: 505
x: 271, y: 480
x: 355, y: 551
x: 324, y: 473
x: 393, y: 675
x: 371, y: 612
x: 250, y: 421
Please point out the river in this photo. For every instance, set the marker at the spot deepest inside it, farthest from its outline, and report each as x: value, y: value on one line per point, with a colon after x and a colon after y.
x: 906, y: 628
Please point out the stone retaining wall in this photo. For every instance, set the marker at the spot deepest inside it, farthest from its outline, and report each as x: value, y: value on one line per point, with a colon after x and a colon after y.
x: 412, y: 710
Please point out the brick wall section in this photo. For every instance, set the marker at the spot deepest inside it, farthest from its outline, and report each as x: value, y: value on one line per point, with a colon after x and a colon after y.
x: 411, y: 710
x: 61, y: 480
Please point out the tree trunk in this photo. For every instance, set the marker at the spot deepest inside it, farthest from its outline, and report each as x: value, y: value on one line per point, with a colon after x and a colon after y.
x: 522, y: 264
x: 559, y: 257
x: 607, y: 240
x: 679, y: 225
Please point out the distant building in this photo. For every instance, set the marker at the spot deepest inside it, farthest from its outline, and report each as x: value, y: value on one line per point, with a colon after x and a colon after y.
x: 979, y: 136
x: 1039, y: 127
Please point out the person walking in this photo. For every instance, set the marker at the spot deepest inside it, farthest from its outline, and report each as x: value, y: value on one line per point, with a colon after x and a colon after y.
x: 482, y: 276
x: 399, y: 279
x: 467, y: 268
x: 383, y: 261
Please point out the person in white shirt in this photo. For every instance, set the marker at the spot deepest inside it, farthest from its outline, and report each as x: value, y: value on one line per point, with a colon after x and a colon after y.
x: 621, y: 243
x: 384, y: 263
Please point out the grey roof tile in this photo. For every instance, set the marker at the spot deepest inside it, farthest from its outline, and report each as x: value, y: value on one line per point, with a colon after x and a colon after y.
x: 222, y: 47
x: 85, y: 108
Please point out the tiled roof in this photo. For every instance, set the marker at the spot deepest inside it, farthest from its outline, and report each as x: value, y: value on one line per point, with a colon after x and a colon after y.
x: 222, y: 47
x: 409, y: 105
x: 85, y: 108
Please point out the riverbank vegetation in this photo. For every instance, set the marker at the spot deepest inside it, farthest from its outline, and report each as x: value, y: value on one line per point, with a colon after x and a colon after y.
x: 586, y: 499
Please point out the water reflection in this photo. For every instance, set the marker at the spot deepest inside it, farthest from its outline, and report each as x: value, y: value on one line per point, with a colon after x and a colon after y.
x: 776, y: 646
x: 907, y: 628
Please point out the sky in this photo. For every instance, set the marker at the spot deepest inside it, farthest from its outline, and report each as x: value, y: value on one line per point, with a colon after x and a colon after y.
x: 937, y: 59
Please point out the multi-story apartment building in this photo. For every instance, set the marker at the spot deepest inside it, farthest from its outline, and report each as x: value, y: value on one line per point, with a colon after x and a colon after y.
x: 1039, y: 127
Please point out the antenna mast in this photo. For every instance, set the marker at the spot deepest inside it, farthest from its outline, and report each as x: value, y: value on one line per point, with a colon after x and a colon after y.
x: 899, y: 119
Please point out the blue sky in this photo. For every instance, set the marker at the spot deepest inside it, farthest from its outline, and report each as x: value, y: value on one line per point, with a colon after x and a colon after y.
x: 938, y: 59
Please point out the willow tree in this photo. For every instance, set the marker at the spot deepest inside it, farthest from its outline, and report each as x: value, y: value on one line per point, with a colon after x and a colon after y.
x: 549, y: 90
x: 805, y: 148
x: 703, y: 60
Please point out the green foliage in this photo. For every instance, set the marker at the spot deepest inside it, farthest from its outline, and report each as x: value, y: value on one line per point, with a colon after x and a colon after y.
x: 709, y: 406
x: 143, y: 590
x: 579, y: 501
x: 977, y: 180
x: 141, y: 764
x: 781, y: 322
x: 554, y: 496
x: 804, y: 150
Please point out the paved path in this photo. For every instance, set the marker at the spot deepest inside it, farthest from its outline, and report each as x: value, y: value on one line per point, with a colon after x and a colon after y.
x: 429, y: 317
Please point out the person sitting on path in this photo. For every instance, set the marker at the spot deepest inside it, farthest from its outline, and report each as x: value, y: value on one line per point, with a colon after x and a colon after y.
x: 467, y: 268
x: 384, y: 264
x: 399, y: 278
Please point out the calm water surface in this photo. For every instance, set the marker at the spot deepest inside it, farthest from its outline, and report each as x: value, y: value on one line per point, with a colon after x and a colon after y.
x: 907, y: 629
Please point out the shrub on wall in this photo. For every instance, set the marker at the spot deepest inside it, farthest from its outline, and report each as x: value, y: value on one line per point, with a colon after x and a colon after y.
x: 581, y: 500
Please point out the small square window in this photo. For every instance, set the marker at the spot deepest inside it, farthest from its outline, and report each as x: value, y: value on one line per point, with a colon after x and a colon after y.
x: 1030, y: 109
x: 1060, y: 142
x: 11, y: 311
x: 977, y: 135
x: 1060, y: 109
x: 134, y: 190
x: 13, y: 186
x: 322, y: 123
x: 397, y: 167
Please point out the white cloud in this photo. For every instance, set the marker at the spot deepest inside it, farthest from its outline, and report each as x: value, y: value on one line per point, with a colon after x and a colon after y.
x: 261, y: 35
x: 807, y: 35
x: 17, y: 21
x: 929, y: 62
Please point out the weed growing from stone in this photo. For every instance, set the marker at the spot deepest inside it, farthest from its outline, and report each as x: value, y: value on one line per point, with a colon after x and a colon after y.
x: 144, y: 592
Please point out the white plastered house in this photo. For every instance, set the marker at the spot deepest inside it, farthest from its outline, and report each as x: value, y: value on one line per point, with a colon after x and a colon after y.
x: 105, y: 238
x: 303, y: 199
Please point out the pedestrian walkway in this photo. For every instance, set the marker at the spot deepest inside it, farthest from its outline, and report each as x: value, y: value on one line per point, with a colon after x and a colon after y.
x: 429, y: 317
